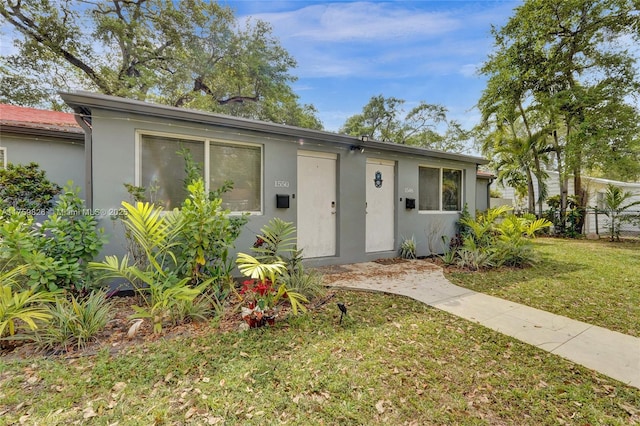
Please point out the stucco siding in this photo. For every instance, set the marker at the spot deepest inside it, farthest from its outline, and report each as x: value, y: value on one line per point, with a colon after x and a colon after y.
x: 62, y: 160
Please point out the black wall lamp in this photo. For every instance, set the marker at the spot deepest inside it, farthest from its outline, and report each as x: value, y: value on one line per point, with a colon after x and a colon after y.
x: 354, y: 148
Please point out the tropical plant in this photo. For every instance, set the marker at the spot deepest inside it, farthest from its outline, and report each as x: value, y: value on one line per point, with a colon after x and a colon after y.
x: 554, y: 70
x: 75, y: 322
x: 496, y: 238
x: 408, y: 248
x: 271, y: 272
x: 206, y: 236
x: 616, y: 207
x: 309, y: 283
x: 565, y: 223
x: 277, y: 241
x: 21, y: 307
x: 156, y: 280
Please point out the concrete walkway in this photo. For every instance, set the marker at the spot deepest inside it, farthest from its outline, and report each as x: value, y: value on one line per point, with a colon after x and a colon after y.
x: 611, y: 353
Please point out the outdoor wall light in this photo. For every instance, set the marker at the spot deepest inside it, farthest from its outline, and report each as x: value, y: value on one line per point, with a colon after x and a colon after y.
x: 364, y: 138
x: 354, y: 148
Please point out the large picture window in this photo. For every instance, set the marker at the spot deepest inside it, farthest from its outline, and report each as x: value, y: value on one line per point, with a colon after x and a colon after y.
x: 439, y: 189
x: 162, y: 170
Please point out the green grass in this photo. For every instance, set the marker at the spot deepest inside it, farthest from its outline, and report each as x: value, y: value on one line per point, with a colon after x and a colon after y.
x: 594, y: 281
x: 393, y: 361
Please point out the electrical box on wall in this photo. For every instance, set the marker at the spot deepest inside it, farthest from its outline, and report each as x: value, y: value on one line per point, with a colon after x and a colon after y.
x: 410, y: 203
x: 282, y: 201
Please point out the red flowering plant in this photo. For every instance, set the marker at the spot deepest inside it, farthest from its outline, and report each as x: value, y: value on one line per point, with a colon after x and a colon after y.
x: 261, y: 294
x: 259, y: 299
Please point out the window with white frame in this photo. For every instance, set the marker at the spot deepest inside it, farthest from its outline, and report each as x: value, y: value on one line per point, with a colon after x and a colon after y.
x: 3, y: 157
x: 161, y: 170
x: 439, y: 189
x: 241, y: 164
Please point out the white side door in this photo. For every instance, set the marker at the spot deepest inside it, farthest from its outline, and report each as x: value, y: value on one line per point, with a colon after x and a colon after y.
x: 317, y: 203
x: 380, y: 222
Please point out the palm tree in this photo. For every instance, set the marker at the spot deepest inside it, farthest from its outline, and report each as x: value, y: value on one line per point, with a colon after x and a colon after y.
x: 614, y: 199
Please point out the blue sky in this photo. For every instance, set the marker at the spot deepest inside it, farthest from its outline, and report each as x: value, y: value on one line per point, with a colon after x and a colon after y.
x: 349, y: 51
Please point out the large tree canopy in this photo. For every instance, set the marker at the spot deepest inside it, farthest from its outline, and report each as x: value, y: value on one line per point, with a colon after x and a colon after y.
x: 425, y: 125
x: 189, y: 53
x: 564, y: 74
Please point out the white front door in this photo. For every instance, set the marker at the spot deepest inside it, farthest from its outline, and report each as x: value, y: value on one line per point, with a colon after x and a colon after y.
x: 316, y: 203
x: 380, y: 205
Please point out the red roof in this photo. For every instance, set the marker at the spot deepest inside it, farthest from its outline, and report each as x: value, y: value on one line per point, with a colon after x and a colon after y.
x: 12, y: 115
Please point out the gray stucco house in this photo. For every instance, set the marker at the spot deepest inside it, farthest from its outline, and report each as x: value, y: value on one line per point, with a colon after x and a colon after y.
x: 52, y: 139
x: 352, y: 199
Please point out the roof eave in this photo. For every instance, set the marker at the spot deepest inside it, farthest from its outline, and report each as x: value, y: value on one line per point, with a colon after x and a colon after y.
x: 80, y: 101
x: 58, y: 133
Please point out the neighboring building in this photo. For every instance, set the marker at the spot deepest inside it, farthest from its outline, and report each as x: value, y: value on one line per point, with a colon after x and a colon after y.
x: 351, y: 199
x: 52, y: 139
x: 484, y: 180
x: 595, y: 187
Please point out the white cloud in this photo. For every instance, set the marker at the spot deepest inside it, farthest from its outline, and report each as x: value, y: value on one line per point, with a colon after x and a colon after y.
x: 382, y: 40
x: 359, y: 22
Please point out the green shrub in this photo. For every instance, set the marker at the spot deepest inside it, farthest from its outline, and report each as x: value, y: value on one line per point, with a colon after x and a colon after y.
x: 26, y: 188
x: 58, y: 250
x: 496, y: 238
x: 206, y: 237
x: 75, y: 322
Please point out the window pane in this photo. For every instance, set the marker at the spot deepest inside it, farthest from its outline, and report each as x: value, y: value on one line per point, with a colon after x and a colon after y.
x: 429, y: 189
x: 241, y: 164
x: 162, y: 168
x: 451, y: 190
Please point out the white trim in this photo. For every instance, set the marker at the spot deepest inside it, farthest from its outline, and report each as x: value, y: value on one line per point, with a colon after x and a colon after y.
x: 441, y: 175
x: 262, y: 174
x: 381, y: 162
x: 318, y: 154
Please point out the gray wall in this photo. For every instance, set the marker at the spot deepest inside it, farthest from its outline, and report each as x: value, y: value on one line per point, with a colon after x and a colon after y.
x: 482, y: 194
x: 61, y: 159
x: 114, y: 164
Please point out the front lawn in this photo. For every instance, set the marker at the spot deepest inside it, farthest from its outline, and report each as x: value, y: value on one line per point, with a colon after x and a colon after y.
x: 393, y: 361
x: 594, y: 281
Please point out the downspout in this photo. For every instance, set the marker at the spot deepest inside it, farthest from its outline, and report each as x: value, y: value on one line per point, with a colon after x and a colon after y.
x: 83, y: 118
x: 489, y: 193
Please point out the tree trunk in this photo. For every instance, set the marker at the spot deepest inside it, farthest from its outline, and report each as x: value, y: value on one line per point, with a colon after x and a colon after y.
x: 531, y: 192
x: 581, y: 200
